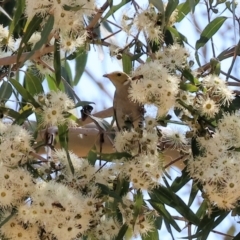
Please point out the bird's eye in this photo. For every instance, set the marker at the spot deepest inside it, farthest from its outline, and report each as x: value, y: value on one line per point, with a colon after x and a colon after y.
x: 119, y: 74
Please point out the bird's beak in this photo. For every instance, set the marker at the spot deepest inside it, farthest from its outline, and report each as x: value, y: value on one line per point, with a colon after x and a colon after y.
x: 105, y: 75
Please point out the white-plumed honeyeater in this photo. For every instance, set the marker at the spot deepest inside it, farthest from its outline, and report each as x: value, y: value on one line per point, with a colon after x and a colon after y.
x: 128, y: 114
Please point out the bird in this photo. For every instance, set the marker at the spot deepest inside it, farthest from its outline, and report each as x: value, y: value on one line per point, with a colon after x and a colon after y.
x: 128, y: 114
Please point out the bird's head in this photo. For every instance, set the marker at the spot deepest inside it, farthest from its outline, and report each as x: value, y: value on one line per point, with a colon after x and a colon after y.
x: 118, y: 78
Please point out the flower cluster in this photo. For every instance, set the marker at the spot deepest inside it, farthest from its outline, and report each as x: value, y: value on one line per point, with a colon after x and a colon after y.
x: 54, y: 108
x: 145, y: 169
x: 217, y: 168
x: 54, y: 208
x: 15, y: 186
x: 157, y: 86
x: 214, y: 94
x: 16, y: 141
x: 7, y: 43
x: 147, y: 21
x: 68, y: 14
x: 143, y: 224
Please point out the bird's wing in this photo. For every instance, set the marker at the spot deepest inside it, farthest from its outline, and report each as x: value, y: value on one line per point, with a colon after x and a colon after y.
x: 127, y: 113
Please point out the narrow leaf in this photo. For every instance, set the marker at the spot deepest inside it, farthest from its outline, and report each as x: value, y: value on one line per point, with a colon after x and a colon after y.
x: 9, y: 112
x: 33, y: 83
x: 108, y: 192
x: 209, y: 31
x: 92, y: 156
x: 185, y: 8
x: 188, y: 87
x: 122, y: 232
x: 20, y: 6
x: 163, y: 212
x: 171, y: 6
x: 127, y: 63
x: 114, y: 8
x: 5, y: 91
x: 57, y: 62
x: 81, y: 61
x: 181, y: 181
x: 193, y: 194
x: 24, y: 93
x: 31, y: 28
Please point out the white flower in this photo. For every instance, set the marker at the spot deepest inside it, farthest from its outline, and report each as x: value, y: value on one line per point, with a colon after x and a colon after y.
x: 172, y: 57
x: 218, y: 89
x: 174, y: 138
x: 15, y: 185
x: 157, y: 86
x: 17, y: 142
x: 55, y: 107
x: 208, y: 107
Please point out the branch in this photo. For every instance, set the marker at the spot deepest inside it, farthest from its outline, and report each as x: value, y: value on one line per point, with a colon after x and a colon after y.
x: 97, y: 16
x: 13, y: 59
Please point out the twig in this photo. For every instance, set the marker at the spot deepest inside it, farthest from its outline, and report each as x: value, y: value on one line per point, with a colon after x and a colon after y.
x: 174, y: 161
x: 13, y: 59
x: 97, y: 16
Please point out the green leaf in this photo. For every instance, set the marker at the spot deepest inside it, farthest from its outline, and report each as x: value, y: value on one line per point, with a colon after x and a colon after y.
x: 114, y: 8
x: 67, y: 71
x: 138, y: 204
x: 122, y: 232
x: 202, y: 209
x: 209, y: 31
x: 192, y: 5
x: 174, y: 201
x: 105, y: 190
x: 31, y: 28
x: 33, y: 83
x: 51, y: 83
x: 207, y: 223
x: 63, y: 140
x: 67, y: 82
x: 23, y: 116
x: 81, y: 61
x: 163, y: 212
x: 197, y: 58
x: 188, y: 75
x: 9, y: 112
x: 188, y: 87
x: 44, y: 36
x: 20, y: 6
x: 237, y: 237
x: 57, y: 62
x: 181, y: 181
x: 210, y: 224
x: 171, y: 6
x: 24, y: 93
x: 92, y: 156
x: 179, y: 37
x: 158, y: 222
x: 5, y: 91
x: 127, y: 63
x: 193, y: 194
x: 158, y: 4
x: 185, y: 8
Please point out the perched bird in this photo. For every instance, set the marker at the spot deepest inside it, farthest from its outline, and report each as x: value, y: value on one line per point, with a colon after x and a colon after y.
x: 127, y: 113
